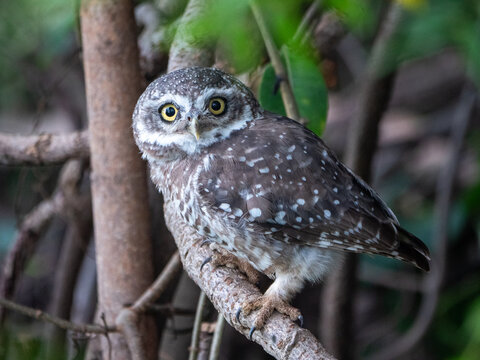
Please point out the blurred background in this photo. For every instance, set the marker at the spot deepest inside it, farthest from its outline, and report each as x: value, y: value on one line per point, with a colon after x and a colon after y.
x: 425, y: 167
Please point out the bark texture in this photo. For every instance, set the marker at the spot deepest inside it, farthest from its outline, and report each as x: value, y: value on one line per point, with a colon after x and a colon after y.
x: 42, y: 149
x: 119, y: 192
x: 190, y: 48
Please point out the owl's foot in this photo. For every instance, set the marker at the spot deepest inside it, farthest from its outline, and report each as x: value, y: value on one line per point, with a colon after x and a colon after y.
x: 223, y: 258
x: 266, y: 305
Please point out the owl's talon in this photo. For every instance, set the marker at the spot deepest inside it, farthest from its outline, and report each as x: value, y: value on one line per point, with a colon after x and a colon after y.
x: 266, y: 305
x: 205, y: 242
x: 252, y: 330
x: 237, y: 314
x: 205, y: 262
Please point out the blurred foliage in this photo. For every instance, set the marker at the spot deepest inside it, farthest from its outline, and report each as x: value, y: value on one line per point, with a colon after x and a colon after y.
x: 455, y: 332
x: 32, y: 33
x: 440, y: 24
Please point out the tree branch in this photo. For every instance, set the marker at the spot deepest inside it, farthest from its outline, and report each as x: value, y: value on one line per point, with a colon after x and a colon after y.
x: 189, y: 48
x: 121, y: 216
x: 44, y: 149
x: 285, y: 89
x: 64, y: 324
x: 227, y: 289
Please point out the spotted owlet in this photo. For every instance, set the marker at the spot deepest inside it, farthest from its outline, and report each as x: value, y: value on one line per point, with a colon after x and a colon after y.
x: 261, y: 187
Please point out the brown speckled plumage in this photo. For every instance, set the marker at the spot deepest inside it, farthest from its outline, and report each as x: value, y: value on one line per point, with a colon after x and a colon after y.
x: 259, y: 185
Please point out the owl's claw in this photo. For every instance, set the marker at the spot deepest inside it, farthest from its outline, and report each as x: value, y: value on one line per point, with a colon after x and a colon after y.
x: 205, y: 242
x: 266, y: 305
x: 237, y: 315
x: 205, y: 262
x: 252, y: 330
x: 300, y: 320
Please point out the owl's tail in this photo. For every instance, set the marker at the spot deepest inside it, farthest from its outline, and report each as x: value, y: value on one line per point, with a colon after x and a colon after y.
x: 412, y: 249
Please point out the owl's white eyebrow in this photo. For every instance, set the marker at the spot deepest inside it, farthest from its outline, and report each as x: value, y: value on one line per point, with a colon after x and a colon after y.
x: 179, y: 100
x: 209, y: 93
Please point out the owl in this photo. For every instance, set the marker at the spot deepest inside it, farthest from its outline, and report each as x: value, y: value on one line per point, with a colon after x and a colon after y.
x: 264, y: 191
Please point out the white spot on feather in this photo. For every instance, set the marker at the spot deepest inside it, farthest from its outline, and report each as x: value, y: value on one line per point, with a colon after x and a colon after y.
x: 255, y: 212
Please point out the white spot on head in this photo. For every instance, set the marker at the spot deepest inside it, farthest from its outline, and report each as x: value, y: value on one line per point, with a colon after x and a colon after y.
x: 324, y: 153
x: 300, y: 201
x: 291, y: 148
x: 336, y: 202
x: 327, y: 213
x: 265, y: 170
x: 289, y: 157
x: 335, y: 189
x: 298, y: 219
x: 242, y: 158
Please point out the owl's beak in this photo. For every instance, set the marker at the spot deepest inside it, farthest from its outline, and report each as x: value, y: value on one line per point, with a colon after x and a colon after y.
x: 194, y: 128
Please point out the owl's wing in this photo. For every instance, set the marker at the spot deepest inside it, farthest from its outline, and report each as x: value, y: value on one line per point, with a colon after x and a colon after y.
x: 277, y: 178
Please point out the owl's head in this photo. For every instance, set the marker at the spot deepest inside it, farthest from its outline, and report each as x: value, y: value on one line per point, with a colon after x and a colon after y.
x: 189, y: 109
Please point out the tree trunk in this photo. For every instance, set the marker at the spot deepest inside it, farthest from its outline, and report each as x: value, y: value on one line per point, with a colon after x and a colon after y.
x: 120, y: 203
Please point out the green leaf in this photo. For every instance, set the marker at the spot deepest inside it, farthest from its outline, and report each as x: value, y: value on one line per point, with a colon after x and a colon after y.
x: 307, y: 84
x: 308, y: 87
x: 268, y: 97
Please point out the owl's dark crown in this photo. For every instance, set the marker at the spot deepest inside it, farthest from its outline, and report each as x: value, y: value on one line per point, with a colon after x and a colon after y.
x: 189, y: 109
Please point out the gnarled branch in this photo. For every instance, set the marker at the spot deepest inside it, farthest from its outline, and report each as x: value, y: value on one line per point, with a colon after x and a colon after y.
x: 43, y: 149
x: 227, y: 289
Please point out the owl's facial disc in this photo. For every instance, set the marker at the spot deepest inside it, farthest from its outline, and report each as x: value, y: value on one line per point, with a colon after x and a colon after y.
x: 185, y: 111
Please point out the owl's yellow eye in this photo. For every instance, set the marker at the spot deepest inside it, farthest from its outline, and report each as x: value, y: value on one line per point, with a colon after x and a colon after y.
x: 216, y: 106
x: 168, y: 112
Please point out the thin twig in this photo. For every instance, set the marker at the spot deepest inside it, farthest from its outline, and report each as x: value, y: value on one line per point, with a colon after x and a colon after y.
x: 62, y: 323
x: 42, y: 149
x: 285, y: 88
x: 443, y: 202
x: 306, y: 21
x: 196, y: 327
x: 217, y: 338
x: 169, y: 273
x: 170, y: 310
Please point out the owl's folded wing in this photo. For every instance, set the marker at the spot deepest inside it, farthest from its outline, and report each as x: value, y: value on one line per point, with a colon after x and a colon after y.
x: 286, y: 184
